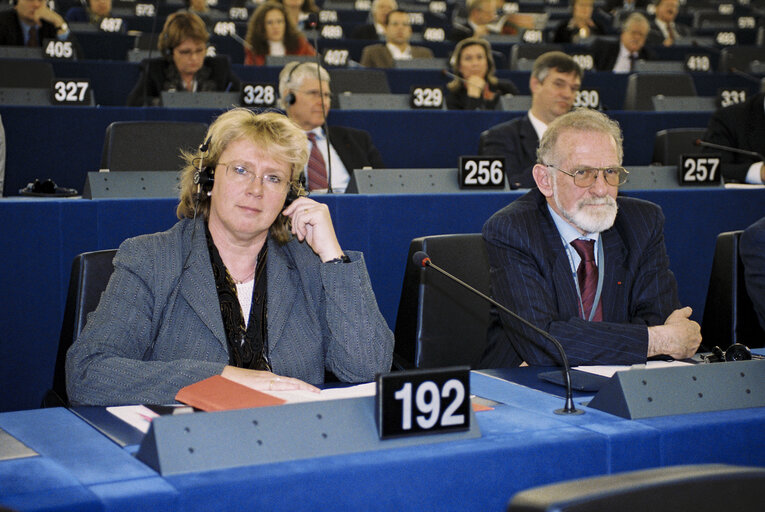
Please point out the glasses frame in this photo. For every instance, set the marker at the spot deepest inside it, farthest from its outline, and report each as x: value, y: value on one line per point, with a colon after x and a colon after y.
x: 263, y: 183
x: 622, y: 174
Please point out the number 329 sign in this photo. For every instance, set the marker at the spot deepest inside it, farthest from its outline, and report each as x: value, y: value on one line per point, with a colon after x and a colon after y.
x: 423, y: 402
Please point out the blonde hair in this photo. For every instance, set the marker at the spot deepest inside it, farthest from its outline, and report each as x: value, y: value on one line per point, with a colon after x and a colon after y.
x: 454, y: 61
x: 274, y: 133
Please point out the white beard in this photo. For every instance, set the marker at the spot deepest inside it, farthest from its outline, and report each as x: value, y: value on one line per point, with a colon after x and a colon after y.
x: 589, y: 220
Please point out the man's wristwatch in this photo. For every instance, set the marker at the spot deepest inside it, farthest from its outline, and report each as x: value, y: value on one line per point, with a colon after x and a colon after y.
x: 342, y: 259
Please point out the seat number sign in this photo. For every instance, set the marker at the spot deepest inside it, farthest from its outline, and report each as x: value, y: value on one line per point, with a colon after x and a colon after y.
x: 420, y: 402
x: 482, y: 172
x: 71, y: 91
x: 702, y: 169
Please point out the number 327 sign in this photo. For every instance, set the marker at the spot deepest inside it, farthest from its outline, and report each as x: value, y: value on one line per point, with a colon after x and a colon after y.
x: 423, y: 402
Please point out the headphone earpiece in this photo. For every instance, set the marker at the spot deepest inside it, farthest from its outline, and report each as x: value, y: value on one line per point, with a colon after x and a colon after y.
x: 297, y: 189
x: 290, y: 98
x: 204, y: 177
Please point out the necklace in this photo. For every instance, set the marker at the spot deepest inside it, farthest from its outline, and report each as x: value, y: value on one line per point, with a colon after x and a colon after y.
x: 241, y: 281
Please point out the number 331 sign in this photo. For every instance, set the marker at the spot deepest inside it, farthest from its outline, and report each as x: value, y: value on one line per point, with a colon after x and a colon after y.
x: 423, y: 402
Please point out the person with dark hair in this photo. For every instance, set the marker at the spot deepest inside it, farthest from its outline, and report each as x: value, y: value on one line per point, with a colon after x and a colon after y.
x: 271, y: 32
x: 476, y: 87
x: 299, y: 10
x: 251, y: 284
x: 183, y: 65
x: 620, y: 56
x: 30, y: 22
x: 554, y: 82
x: 581, y: 263
x: 375, y: 29
x: 209, y: 15
x: 664, y: 30
x: 305, y: 95
x: 581, y: 26
x: 398, y: 32
x: 93, y: 12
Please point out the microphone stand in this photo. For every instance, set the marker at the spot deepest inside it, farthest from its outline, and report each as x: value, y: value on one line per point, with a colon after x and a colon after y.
x: 313, y: 22
x: 420, y: 258
x: 751, y: 154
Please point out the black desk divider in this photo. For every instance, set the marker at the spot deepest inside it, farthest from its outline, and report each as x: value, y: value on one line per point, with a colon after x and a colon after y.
x: 189, y: 443
x: 637, y: 394
x: 108, y: 185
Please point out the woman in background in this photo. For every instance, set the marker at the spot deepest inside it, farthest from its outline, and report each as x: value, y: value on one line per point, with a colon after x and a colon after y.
x: 476, y: 87
x: 271, y: 32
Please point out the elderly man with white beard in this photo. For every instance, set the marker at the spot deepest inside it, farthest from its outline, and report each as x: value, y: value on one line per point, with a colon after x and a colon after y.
x: 578, y: 262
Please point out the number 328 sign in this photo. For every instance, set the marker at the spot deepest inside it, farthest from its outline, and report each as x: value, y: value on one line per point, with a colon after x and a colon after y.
x: 423, y: 402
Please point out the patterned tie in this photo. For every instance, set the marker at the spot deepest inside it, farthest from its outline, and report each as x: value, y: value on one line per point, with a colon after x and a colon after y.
x: 670, y: 33
x: 33, y: 37
x: 587, y: 273
x: 317, y: 169
x: 633, y: 59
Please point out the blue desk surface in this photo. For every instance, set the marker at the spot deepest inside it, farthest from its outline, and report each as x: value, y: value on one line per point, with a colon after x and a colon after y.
x: 41, y: 237
x: 523, y: 444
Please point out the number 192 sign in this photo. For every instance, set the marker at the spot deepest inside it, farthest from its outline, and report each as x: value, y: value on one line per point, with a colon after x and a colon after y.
x: 423, y: 402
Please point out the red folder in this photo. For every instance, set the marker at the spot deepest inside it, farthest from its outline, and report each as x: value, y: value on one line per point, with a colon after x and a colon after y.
x: 217, y: 393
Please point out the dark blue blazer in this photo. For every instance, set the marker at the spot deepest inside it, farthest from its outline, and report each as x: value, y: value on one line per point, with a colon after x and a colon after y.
x: 752, y: 250
x: 531, y: 275
x: 517, y: 141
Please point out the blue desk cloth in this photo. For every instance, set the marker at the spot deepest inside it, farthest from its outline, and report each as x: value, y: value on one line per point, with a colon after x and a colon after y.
x: 42, y: 236
x: 523, y: 444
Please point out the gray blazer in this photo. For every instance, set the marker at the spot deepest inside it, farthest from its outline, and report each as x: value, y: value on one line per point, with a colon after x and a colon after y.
x: 158, y: 328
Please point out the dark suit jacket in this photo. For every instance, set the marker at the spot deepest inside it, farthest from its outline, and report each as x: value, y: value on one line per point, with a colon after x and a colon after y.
x: 12, y: 35
x: 367, y: 31
x: 159, y: 74
x: 605, y: 52
x: 459, y: 99
x: 378, y: 55
x: 740, y: 126
x: 355, y: 148
x: 752, y: 250
x: 531, y: 275
x: 517, y: 141
x: 656, y: 36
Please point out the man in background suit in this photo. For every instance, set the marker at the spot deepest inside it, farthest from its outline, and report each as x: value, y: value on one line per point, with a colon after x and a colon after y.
x: 619, y: 307
x: 740, y: 126
x: 375, y: 30
x: 752, y: 250
x: 398, y: 32
x: 620, y: 56
x: 554, y: 82
x: 664, y: 30
x: 29, y: 23
x: 306, y: 101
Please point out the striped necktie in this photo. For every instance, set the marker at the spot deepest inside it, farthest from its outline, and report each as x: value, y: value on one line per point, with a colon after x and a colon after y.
x: 587, y: 274
x: 317, y: 169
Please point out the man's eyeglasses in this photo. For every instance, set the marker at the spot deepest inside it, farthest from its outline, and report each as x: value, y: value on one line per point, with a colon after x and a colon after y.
x: 241, y: 175
x: 586, y: 176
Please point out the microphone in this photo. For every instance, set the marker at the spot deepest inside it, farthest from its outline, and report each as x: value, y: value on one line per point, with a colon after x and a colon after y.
x: 239, y: 39
x: 449, y: 74
x: 421, y: 259
x: 743, y: 74
x: 751, y: 154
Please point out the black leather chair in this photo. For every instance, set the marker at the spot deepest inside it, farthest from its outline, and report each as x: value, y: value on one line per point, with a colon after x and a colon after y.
x: 90, y: 274
x: 366, y: 81
x: 642, y: 87
x: 740, y: 58
x: 669, y: 144
x: 439, y: 323
x: 149, y: 145
x: 697, y: 488
x: 729, y: 316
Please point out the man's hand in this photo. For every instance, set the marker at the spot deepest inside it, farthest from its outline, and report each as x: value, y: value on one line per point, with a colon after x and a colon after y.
x: 679, y: 337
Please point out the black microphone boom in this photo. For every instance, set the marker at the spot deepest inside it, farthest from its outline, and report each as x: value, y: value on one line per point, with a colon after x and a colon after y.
x: 752, y: 154
x: 421, y: 259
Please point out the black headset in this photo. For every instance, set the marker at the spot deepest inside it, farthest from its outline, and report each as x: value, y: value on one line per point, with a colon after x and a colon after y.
x: 736, y: 352
x: 204, y: 179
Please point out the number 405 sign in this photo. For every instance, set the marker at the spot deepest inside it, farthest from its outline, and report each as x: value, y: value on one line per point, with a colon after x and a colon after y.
x: 423, y: 402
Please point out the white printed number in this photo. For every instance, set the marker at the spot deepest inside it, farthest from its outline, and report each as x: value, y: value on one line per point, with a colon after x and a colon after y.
x: 70, y: 92
x: 726, y: 38
x: 699, y: 63
x: 732, y: 97
x: 337, y: 57
x: 427, y: 401
x: 426, y: 97
x: 434, y: 34
x: 587, y: 98
x: 332, y: 32
x: 701, y: 169
x: 585, y: 61
x: 59, y: 49
x: 532, y: 36
x: 111, y: 24
x: 483, y: 172
x: 144, y: 10
x: 259, y: 95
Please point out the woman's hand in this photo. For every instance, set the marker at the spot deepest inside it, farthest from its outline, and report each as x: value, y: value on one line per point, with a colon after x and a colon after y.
x: 311, y: 222
x: 264, y: 381
x: 475, y: 85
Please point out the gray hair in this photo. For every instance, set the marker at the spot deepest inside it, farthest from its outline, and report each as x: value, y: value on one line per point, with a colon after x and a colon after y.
x: 294, y: 74
x: 582, y: 120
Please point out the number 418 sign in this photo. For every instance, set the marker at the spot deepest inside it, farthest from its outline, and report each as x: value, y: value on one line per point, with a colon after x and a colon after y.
x: 423, y: 402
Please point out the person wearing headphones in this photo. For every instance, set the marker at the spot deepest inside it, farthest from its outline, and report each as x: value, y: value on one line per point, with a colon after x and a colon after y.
x: 91, y: 11
x: 247, y: 285
x: 30, y: 22
x: 183, y: 66
x: 475, y: 87
x: 306, y: 100
x: 271, y: 32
